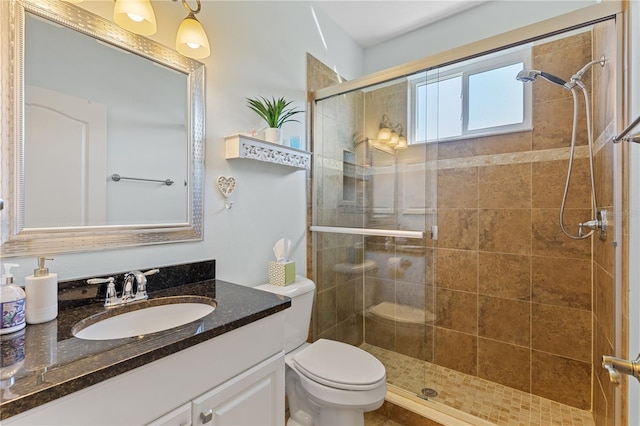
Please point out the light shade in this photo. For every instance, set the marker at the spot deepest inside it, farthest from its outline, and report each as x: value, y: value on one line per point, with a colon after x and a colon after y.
x: 73, y: 1
x: 136, y: 16
x: 384, y: 134
x: 402, y: 143
x: 393, y: 141
x: 191, y: 39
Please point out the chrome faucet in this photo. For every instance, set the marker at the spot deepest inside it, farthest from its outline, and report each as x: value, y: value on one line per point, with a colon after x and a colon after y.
x: 129, y: 294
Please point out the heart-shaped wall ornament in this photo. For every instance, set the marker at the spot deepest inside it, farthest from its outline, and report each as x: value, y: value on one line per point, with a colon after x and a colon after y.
x: 226, y: 185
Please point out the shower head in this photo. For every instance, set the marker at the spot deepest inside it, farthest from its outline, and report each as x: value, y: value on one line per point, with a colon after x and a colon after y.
x: 527, y: 76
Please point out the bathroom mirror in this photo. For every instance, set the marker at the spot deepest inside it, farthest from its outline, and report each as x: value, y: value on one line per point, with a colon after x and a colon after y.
x: 103, y: 139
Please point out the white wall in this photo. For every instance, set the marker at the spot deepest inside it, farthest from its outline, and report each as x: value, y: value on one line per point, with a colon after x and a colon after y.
x: 483, y: 21
x: 257, y: 48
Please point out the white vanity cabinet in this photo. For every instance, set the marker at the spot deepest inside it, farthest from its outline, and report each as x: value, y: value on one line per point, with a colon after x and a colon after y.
x: 181, y: 416
x: 236, y: 378
x: 251, y: 398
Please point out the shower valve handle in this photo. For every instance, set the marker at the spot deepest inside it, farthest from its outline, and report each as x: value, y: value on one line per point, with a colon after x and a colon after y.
x: 597, y: 224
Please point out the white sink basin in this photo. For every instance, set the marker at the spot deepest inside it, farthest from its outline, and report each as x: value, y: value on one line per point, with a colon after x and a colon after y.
x: 146, y: 317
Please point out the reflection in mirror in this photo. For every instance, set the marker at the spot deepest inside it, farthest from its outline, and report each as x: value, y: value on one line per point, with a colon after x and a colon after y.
x: 97, y: 101
x: 78, y: 133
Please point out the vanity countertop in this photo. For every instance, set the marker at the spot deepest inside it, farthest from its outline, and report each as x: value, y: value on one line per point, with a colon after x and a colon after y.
x: 55, y: 363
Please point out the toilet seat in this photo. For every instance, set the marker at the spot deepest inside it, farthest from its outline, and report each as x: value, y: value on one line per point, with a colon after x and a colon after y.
x: 340, y: 366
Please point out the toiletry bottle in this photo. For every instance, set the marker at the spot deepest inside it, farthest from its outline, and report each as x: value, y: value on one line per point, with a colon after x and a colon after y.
x: 42, y: 294
x: 12, y: 303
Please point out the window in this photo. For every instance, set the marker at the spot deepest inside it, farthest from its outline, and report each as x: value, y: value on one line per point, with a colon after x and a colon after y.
x: 478, y: 97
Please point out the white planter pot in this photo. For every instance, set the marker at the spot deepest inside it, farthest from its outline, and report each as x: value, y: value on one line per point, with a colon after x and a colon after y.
x: 273, y: 135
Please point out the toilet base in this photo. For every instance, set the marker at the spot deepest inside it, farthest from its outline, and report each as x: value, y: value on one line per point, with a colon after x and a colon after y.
x: 307, y: 410
x: 328, y: 417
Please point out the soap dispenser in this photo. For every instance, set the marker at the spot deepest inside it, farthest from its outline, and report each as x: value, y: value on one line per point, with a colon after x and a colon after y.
x: 42, y: 294
x: 11, y: 302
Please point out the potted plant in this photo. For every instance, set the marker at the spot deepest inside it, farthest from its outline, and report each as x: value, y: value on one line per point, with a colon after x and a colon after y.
x: 275, y: 113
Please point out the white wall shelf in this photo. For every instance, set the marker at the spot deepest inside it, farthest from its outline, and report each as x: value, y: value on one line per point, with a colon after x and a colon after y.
x: 241, y: 146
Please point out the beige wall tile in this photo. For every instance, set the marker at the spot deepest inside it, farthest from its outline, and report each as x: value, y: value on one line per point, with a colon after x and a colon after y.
x: 561, y: 379
x: 604, y: 302
x: 561, y: 282
x: 501, y: 144
x: 457, y: 351
x: 457, y: 310
x: 601, y: 347
x: 503, y: 363
x: 561, y: 331
x: 379, y: 332
x: 505, y: 231
x: 458, y: 229
x: 549, y: 179
x: 346, y: 300
x: 457, y: 269
x: 548, y: 240
x: 326, y: 310
x: 504, y: 275
x: 552, y: 121
x: 458, y: 188
x: 505, y: 320
x: 457, y: 149
x: 350, y: 330
x: 505, y: 186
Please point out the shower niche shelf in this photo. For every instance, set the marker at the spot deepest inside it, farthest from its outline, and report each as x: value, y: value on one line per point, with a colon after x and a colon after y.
x: 241, y: 146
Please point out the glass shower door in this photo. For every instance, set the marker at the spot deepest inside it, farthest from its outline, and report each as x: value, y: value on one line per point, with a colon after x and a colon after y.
x: 372, y: 262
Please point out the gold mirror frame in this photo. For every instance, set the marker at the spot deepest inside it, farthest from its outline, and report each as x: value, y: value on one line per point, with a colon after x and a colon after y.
x: 15, y: 239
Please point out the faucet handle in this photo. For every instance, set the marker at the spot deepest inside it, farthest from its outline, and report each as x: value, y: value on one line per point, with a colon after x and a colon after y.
x: 111, y: 295
x: 100, y: 280
x: 141, y: 291
x: 151, y: 272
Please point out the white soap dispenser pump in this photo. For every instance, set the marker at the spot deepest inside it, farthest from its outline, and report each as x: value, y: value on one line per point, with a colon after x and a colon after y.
x: 42, y: 294
x: 12, y: 303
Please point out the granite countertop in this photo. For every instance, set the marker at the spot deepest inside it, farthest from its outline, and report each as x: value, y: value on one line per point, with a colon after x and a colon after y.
x: 55, y: 363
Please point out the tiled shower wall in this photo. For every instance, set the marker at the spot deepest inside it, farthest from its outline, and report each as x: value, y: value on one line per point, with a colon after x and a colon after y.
x: 512, y: 297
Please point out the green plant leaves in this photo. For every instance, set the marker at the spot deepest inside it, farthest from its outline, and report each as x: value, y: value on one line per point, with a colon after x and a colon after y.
x: 274, y: 111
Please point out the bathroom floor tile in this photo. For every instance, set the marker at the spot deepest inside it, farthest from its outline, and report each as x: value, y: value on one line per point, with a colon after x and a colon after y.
x: 490, y: 401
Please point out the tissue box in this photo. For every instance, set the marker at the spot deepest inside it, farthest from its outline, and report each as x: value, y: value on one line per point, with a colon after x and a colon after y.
x: 282, y: 273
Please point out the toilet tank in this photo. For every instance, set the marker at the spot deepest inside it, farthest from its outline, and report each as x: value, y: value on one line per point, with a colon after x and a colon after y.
x: 298, y: 316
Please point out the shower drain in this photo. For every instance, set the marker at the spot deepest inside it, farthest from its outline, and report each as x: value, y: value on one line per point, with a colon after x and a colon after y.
x: 427, y: 393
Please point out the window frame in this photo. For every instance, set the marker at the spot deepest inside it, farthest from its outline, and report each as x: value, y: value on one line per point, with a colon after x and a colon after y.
x: 520, y: 54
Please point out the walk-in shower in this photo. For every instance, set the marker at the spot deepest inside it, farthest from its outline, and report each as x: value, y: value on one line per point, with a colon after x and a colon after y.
x: 599, y: 222
x: 444, y: 258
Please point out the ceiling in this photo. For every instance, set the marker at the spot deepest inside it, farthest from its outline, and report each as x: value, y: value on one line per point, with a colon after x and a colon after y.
x: 371, y: 22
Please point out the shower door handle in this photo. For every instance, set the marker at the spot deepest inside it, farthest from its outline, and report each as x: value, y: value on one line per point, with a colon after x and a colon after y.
x: 616, y: 366
x: 434, y: 232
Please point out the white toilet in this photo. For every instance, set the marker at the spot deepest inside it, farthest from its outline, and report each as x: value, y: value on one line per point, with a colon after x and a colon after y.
x: 328, y: 383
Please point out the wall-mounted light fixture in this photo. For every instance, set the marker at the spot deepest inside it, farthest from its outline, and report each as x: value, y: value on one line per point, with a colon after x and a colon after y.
x: 138, y: 17
x: 384, y: 134
x: 390, y: 135
x: 402, y: 140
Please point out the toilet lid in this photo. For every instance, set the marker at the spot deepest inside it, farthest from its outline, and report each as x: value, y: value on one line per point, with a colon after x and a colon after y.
x: 339, y: 365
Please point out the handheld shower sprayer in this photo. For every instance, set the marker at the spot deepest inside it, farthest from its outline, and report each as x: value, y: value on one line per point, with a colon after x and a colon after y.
x: 600, y: 221
x: 527, y: 76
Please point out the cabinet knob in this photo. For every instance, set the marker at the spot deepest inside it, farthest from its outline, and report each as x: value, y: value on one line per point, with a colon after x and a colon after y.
x: 206, y: 416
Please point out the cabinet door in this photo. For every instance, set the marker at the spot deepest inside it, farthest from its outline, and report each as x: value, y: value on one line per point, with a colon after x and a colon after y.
x: 181, y: 416
x: 255, y: 397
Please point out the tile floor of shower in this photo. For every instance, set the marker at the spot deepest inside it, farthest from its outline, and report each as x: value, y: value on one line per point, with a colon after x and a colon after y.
x: 481, y: 398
